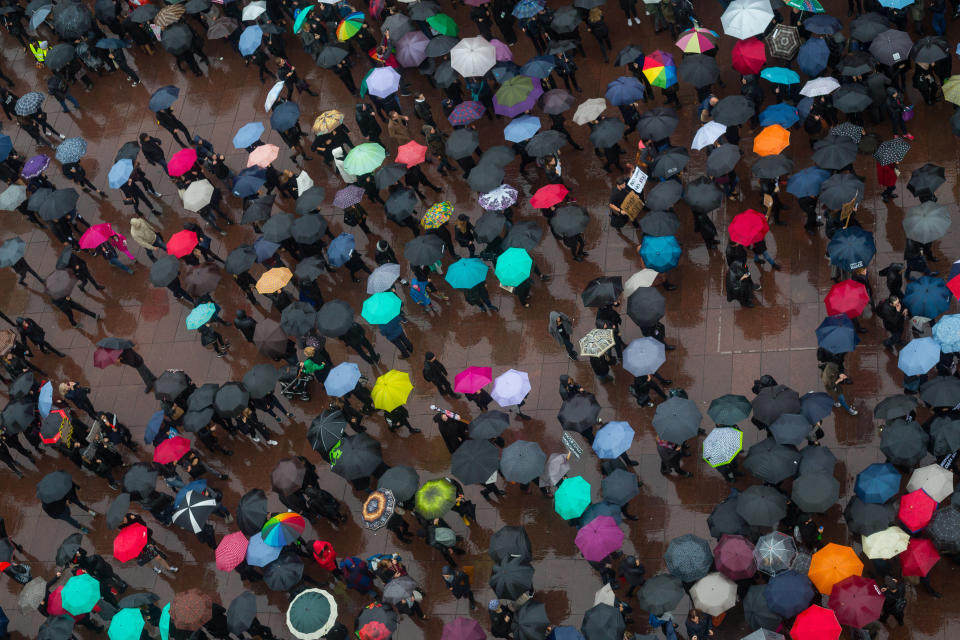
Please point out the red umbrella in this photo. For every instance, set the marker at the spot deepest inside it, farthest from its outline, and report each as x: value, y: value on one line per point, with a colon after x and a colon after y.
x: 748, y: 227
x: 734, y: 557
x: 816, y: 623
x: 848, y: 297
x: 916, y: 509
x: 749, y: 56
x: 191, y: 609
x: 171, y: 450
x: 182, y: 243
x: 231, y: 551
x: 374, y: 630
x: 954, y: 285
x: 412, y: 153
x: 129, y: 542
x: 103, y: 358
x: 548, y: 196
x: 181, y: 162
x: 919, y: 557
x: 856, y: 601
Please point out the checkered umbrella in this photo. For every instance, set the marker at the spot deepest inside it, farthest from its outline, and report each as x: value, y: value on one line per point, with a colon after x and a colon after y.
x: 466, y: 112
x: 722, y: 445
x: 597, y: 342
x: 891, y: 151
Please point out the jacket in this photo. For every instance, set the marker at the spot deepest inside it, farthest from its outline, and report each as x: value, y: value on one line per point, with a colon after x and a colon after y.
x: 565, y: 322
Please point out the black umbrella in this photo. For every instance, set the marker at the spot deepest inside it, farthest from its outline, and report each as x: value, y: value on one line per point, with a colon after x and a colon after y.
x: 68, y: 549
x: 525, y: 234
x: 117, y: 510
x: 241, y: 259
x: 252, y: 512
x: 139, y: 480
x: 729, y: 409
x: 144, y: 13
x: 193, y: 511
x: 603, y: 622
x: 817, y: 460
x: 866, y: 518
x: 699, y: 70
x: 163, y: 98
x: 440, y: 46
x: 242, y: 610
x: 851, y: 98
x: 357, y: 457
x: 944, y: 436
x: 258, y: 210
x: 326, y: 431
x: 486, y: 176
x: 231, y: 399
x: 54, y: 486
x: 790, y: 429
x: 856, y: 63
x: 545, y: 143
x: 522, y: 461
x: 115, y: 343
x: 194, y: 421
x: 723, y: 159
x: 402, y: 480
x: 489, y: 226
x: 203, y: 397
x: 56, y: 628
x: 628, y: 54
x: 944, y: 530
x: 530, y: 621
x: 772, y: 402
x: 308, y: 229
x: 701, y: 195
x: 258, y: 381
x: 835, y: 152
x: 670, y: 162
x: 424, y: 250
x: 565, y: 19
x: 475, y: 461
x: 607, y: 133
x: 284, y: 573
x: 815, y: 492
x: 284, y: 116
x: 660, y: 223
x: 930, y: 49
x: 277, y: 227
x: 570, y: 220
x: 298, y: 318
x: 904, y: 443
x: 462, y: 143
x: 389, y: 175
x: 839, y: 189
x: 310, y: 268
x: 18, y: 415
x: 733, y: 110
x: 36, y: 200
x: 489, y: 424
x: 600, y: 292
x: 22, y: 385
x: 891, y: 46
x: 60, y: 56
x: 332, y: 55
x: 942, y: 391
x: 772, y: 462
x: 71, y: 20
x: 762, y: 506
x: 664, y: 195
x: 772, y: 166
x: 926, y: 179
x: 498, y: 155
x: 868, y: 26
x: 169, y: 385
x: 724, y: 520
x: 661, y: 593
x: 677, y: 420
x: 178, y: 39
x: 511, y: 578
x: 891, y: 151
x: 756, y: 611
x: 194, y: 7
x: 164, y: 271
x: 510, y: 543
x: 445, y: 76
x: 334, y: 318
x: 620, y: 487
x: 579, y: 413
x: 401, y: 204
x: 202, y: 279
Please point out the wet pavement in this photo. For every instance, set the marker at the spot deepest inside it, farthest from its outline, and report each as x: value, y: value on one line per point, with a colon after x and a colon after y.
x: 721, y: 347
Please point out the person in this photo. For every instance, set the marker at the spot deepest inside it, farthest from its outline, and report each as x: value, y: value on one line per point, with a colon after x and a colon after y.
x: 671, y: 454
x: 435, y: 372
x: 210, y: 337
x: 21, y: 267
x: 501, y: 619
x: 893, y: 315
x: 60, y: 509
x: 740, y: 286
x: 894, y: 599
x: 397, y: 418
x: 131, y: 358
x: 30, y: 331
x: 632, y: 572
x: 699, y: 625
x: 356, y: 338
x: 887, y: 178
x: 478, y: 296
x: 393, y: 331
x: 453, y: 431
x: 832, y: 378
x: 79, y: 396
x: 171, y: 123
x: 458, y: 584
x: 895, y: 108
x: 641, y: 387
x: 465, y: 235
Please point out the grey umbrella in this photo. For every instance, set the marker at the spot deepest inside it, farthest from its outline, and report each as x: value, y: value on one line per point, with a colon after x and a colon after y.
x: 772, y: 166
x: 489, y: 226
x: 240, y: 259
x: 284, y: 116
x: 723, y: 159
x: 402, y: 480
x: 71, y: 20
x: 510, y: 543
x: 661, y: 593
x: 856, y: 63
x: 525, y: 234
x: 942, y: 391
x: 815, y: 492
x: 688, y: 557
x: 12, y: 197
x: 818, y: 460
x: 58, y: 204
x: 699, y: 70
x: 486, y: 176
x: 851, y: 98
x: 117, y: 510
x: 284, y: 573
x: 835, y: 152
x: 422, y: 10
x: 569, y: 220
x: 68, y: 549
x: 772, y: 462
x: 310, y: 200
x: 790, y: 428
x: 475, y: 461
x: 489, y: 424
x: 664, y: 195
x: 383, y: 277
x: 54, y: 486
x: 628, y: 54
x: 868, y: 26
x: 144, y: 13
x: 522, y: 461
x: 841, y: 188
x: 733, y: 110
x: 203, y: 397
x: 607, y: 133
x: 462, y: 143
x: 258, y: 210
x: 579, y: 413
x: 445, y: 76
x: 565, y: 20
x: 398, y: 590
x: 231, y: 399
x: 389, y: 175
x: 660, y: 223
x: 904, y: 443
x: 511, y: 578
x: 308, y: 229
x: 270, y: 338
x: 891, y: 46
x: 164, y: 271
x: 545, y: 143
x: 298, y: 318
x: 603, y: 622
x: 677, y: 419
x: 310, y: 268
x: 620, y: 487
x: 260, y: 380
x: 757, y: 613
x: 22, y: 385
x: 670, y: 162
x: 178, y: 39
x: 424, y: 250
x: 139, y: 479
x: 60, y: 56
x: 762, y: 506
x: 926, y: 222
x: 194, y: 421
x: 646, y: 306
x: 242, y: 611
x: 657, y: 123
x: 334, y: 318
x: 530, y: 622
x: 18, y: 415
x: 724, y: 519
x: 866, y: 518
x: 56, y: 628
x: 252, y: 512
x: 440, y: 46
x: 398, y: 24
x: 944, y: 530
x: 774, y: 552
x: 331, y: 55
x: 71, y: 150
x: 202, y: 279
x: 944, y: 435
x: 359, y: 457
x: 772, y: 402
x: 702, y: 194
x: 498, y: 155
x: 401, y: 204
x: 115, y: 343
x: 60, y: 284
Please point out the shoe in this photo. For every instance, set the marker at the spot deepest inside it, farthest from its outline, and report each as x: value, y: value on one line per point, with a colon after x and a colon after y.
x: 634, y: 518
x: 908, y: 136
x: 634, y: 463
x: 157, y: 570
x: 173, y: 569
x: 255, y: 438
x: 685, y: 474
x: 415, y: 430
x: 670, y: 347
x: 63, y: 137
x: 667, y: 382
x: 272, y: 443
x: 852, y: 411
x: 836, y: 404
x: 669, y: 286
x: 92, y: 512
x: 629, y: 22
x: 776, y: 267
x: 83, y: 530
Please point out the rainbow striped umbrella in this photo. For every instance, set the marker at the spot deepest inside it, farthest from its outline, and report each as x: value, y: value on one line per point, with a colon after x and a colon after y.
x: 437, y: 215
x: 283, y: 528
x: 349, y: 26
x: 805, y: 5
x: 660, y: 69
x: 697, y: 40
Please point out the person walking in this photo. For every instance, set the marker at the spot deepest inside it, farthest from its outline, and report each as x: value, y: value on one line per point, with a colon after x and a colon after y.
x: 356, y: 339
x: 832, y: 377
x: 21, y: 267
x: 435, y: 372
x: 458, y: 584
x: 478, y: 296
x: 671, y: 454
x: 393, y: 331
x: 68, y: 306
x: 131, y: 358
x: 561, y: 330
x: 30, y: 331
x: 171, y: 123
x: 60, y: 509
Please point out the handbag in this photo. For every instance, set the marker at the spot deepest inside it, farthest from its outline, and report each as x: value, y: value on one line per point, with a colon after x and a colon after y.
x: 907, y: 113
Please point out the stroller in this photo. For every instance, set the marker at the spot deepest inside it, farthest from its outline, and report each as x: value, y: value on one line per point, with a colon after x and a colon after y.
x: 294, y: 383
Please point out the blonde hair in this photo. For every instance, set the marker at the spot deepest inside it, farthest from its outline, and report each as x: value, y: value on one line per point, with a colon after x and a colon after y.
x: 63, y: 388
x: 309, y: 352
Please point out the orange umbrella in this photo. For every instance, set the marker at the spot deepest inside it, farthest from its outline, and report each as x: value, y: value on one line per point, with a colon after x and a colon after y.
x: 771, y: 141
x: 832, y: 564
x: 274, y: 280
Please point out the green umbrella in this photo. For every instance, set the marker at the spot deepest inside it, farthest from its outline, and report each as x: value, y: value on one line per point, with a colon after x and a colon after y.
x: 364, y: 158
x: 312, y: 614
x: 127, y: 624
x: 466, y: 273
x: 514, y: 91
x: 435, y: 498
x: 572, y: 498
x: 513, y: 266
x: 301, y: 18
x: 443, y: 24
x: 164, y: 625
x: 381, y: 308
x: 80, y: 594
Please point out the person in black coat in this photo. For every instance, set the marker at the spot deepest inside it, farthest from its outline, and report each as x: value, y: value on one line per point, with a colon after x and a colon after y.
x: 454, y: 432
x: 632, y: 572
x: 30, y: 331
x: 435, y: 372
x: 458, y: 584
x: 171, y: 123
x: 133, y: 359
x: 893, y: 315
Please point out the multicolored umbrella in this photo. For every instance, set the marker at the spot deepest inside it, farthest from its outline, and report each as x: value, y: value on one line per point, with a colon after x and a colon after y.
x: 697, y: 40
x: 391, y: 390
x: 350, y: 26
x: 437, y: 215
x: 516, y: 95
x: 660, y: 69
x: 283, y: 528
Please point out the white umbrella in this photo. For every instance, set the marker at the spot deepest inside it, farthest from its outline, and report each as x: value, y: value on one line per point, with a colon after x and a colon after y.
x: 473, y: 57
x: 708, y: 134
x: 253, y: 10
x: 197, y: 195
x: 304, y: 182
x: 589, y: 110
x: 934, y: 479
x: 12, y: 197
x: 604, y: 596
x: 885, y: 544
x: 714, y: 593
x: 820, y: 87
x: 382, y: 278
x: 745, y: 18
x: 642, y: 278
x: 273, y: 94
x: 510, y: 388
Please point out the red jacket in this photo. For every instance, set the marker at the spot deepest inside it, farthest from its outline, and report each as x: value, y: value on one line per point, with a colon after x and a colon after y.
x: 886, y: 175
x: 324, y: 554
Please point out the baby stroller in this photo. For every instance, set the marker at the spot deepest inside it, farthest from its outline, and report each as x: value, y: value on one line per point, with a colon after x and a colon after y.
x: 294, y: 383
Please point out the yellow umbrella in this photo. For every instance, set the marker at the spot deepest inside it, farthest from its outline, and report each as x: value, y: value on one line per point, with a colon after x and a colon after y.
x: 327, y: 122
x: 391, y: 390
x: 951, y: 90
x: 274, y: 280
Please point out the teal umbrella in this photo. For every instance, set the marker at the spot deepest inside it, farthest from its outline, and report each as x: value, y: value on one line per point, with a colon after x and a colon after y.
x: 80, y: 594
x: 164, y: 624
x: 301, y: 18
x: 572, y: 498
x: 466, y: 273
x: 201, y: 315
x: 127, y: 624
x: 513, y: 266
x: 381, y: 308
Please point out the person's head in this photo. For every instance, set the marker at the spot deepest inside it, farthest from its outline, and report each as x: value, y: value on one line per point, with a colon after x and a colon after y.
x: 895, y: 301
x: 694, y: 614
x: 713, y: 101
x: 621, y: 183
x: 64, y: 387
x: 429, y: 355
x: 241, y: 314
x: 446, y: 571
x: 493, y: 605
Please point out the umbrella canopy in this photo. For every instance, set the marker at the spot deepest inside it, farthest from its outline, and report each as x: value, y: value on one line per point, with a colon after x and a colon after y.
x: 790, y: 429
x: 944, y: 530
x: 788, y: 593
x: 252, y: 512
x: 644, y: 356
x: 919, y: 356
x: 866, y: 518
x: 887, y: 543
x: 660, y: 253
x: 579, y: 413
x: 734, y: 557
x: 926, y: 222
x: 677, y: 419
x: 194, y: 511
x: 831, y: 564
x: 435, y: 498
x: 603, y: 622
x: 231, y: 551
x: 599, y: 538
x: 942, y: 391
x: 510, y: 388
x: 356, y: 456
x: 130, y: 542
x: 284, y: 573
x: 572, y: 498
x: 312, y: 614
x: 511, y: 578
x: 934, y: 480
x: 364, y: 158
x: 815, y: 492
x: 688, y: 557
x: 714, y: 594
x: 891, y: 151
x: 877, y: 483
x: 475, y: 461
x: 836, y: 333
x: 661, y: 593
x: 919, y: 557
x: 391, y: 390
x: 489, y: 424
x: 762, y: 506
x: 891, y: 46
x: 522, y: 461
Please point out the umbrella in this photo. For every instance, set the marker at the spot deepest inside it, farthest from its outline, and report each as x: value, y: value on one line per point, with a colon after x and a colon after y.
x: 788, y: 593
x: 807, y: 182
x: 411, y: 48
x: 252, y: 512
x: 817, y: 622
x: 391, y: 390
x: 579, y: 413
x: 670, y: 162
x: 942, y: 391
x: 759, y: 616
x: 722, y: 445
x: 886, y: 544
x: 516, y: 95
x: 80, y: 594
x: 847, y: 297
x: 475, y: 461
x: 762, y: 506
x: 744, y: 18
x: 378, y: 508
x: 287, y: 476
x: 522, y: 461
x: 699, y: 70
x: 510, y: 388
x: 945, y: 435
x: 599, y: 538
x: 29, y: 103
x: 926, y: 222
x: 511, y: 578
x: 934, y: 480
x: 462, y: 143
x: 401, y: 480
x: 659, y: 69
x: 12, y: 197
x: 356, y: 456
x: 282, y: 529
x: 435, y: 498
x: 782, y: 114
x: 644, y: 356
x: 473, y: 57
x: 771, y: 462
x: 382, y: 278
x: 920, y: 555
x: 312, y: 614
x: 661, y: 593
x: 284, y: 573
x: 591, y: 109
x: 748, y: 227
x: 835, y: 152
x: 891, y: 151
x: 926, y: 179
x: 840, y: 189
x: 688, y: 557
x: 334, y: 318
x: 877, y: 483
x: 928, y: 297
x: 274, y: 280
x: 231, y: 551
x: 714, y: 594
x: 815, y: 492
x: 326, y: 431
x: 513, y: 266
x: 723, y: 159
x: 790, y: 429
x: 891, y: 46
x: 364, y: 158
x: 467, y: 273
x: 783, y: 42
x: 194, y: 511
x: 929, y: 50
x: 573, y: 497
x: 734, y: 557
x: 54, y: 486
x: 946, y: 332
x: 904, y: 443
x: 498, y: 199
x: 603, y: 622
x: 660, y: 253
x: 130, y: 542
x: 944, y: 530
x: 71, y: 150
x: 247, y: 135
x: 677, y: 419
x: 530, y: 622
x: 660, y: 224
x: 771, y: 140
x: 489, y: 424
x: 619, y: 487
x: 831, y: 564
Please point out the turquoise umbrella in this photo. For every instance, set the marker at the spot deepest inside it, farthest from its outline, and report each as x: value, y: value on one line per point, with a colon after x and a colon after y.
x: 381, y: 308
x: 80, y: 594
x: 127, y: 624
x: 301, y: 18
x: 780, y: 75
x: 164, y: 624
x: 660, y: 253
x: 513, y: 266
x: 201, y: 315
x: 572, y: 498
x: 466, y: 273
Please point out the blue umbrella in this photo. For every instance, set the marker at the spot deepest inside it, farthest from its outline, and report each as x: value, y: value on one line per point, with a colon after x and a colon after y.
x: 342, y: 379
x: 851, y: 248
x: 780, y: 75
x: 613, y: 439
x: 788, y: 593
x: 624, y: 90
x: 264, y: 249
x: 927, y: 296
x: 284, y: 116
x: 878, y: 483
x: 45, y: 399
x: 71, y: 150
x: 200, y: 315
x: 247, y: 135
x: 896, y: 4
x: 153, y: 427
x: 565, y: 633
x: 112, y: 43
x: 807, y: 182
x: 660, y: 253
x: 822, y: 23
x: 340, y: 249
x: 919, y: 356
x: 804, y: 107
x: 259, y: 553
x: 947, y: 333
x: 521, y: 128
x: 250, y: 39
x: 196, y: 485
x: 249, y: 181
x: 601, y: 509
x: 812, y: 56
x: 527, y: 9
x: 119, y: 173
x: 782, y: 114
x: 816, y: 405
x: 837, y: 334
x: 163, y: 97
x: 503, y: 71
x: 6, y: 146
x: 466, y: 273
x: 539, y: 67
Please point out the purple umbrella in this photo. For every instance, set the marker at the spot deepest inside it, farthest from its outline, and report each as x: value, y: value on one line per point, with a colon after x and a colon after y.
x: 599, y: 538
x: 512, y: 98
x: 503, y: 51
x: 411, y: 49
x: 383, y: 82
x: 35, y: 166
x: 466, y: 112
x: 348, y: 196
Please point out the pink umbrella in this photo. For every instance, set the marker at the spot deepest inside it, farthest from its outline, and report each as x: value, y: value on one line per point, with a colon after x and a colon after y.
x: 463, y: 628
x: 263, y: 156
x: 103, y: 357
x: 231, y: 551
x: 96, y: 235
x: 472, y: 379
x: 503, y: 51
x: 476, y: 3
x: 599, y: 538
x: 181, y: 162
